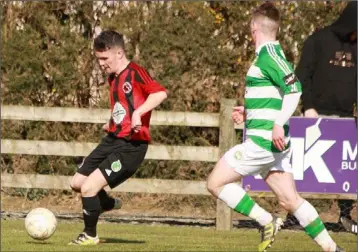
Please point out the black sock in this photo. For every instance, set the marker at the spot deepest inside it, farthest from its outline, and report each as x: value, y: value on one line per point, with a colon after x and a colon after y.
x: 107, y: 202
x: 91, y: 211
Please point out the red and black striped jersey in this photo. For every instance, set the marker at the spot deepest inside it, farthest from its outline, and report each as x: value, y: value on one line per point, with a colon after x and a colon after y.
x: 129, y: 90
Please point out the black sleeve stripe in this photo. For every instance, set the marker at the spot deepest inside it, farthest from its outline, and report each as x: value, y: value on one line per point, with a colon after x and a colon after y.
x: 137, y: 78
x: 144, y: 75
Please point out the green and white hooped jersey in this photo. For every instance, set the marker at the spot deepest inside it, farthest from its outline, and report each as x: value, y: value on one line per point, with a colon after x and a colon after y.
x: 269, y: 78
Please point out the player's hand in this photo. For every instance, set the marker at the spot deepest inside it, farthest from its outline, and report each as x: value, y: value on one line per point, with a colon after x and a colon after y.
x: 311, y: 113
x: 278, y: 137
x: 238, y: 114
x: 136, y: 122
x: 105, y: 127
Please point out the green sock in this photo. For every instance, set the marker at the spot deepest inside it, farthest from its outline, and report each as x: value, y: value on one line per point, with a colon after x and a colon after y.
x: 236, y: 198
x: 308, y: 217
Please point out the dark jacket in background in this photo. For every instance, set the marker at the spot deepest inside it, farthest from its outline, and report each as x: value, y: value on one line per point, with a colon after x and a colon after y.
x: 328, y: 67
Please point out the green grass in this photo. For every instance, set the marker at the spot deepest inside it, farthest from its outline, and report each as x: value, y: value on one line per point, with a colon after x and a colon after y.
x: 128, y: 237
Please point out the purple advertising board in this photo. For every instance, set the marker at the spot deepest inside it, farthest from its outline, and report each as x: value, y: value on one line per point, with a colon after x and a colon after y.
x: 324, y: 153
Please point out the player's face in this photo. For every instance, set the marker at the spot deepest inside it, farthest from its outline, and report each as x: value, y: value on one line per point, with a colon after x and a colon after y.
x: 109, y: 60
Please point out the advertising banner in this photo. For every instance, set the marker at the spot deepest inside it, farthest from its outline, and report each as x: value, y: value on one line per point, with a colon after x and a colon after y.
x: 324, y: 153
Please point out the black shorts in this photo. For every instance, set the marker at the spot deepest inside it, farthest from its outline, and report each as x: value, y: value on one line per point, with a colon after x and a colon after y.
x: 117, y: 158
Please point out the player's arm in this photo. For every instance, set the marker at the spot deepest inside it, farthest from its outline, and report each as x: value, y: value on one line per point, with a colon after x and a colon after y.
x: 305, y: 71
x: 280, y: 72
x: 153, y: 100
x: 238, y: 114
x: 156, y: 95
x: 289, y: 105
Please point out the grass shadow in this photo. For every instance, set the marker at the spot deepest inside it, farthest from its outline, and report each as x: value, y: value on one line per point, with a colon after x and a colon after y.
x: 39, y: 242
x: 115, y: 240
x: 330, y: 226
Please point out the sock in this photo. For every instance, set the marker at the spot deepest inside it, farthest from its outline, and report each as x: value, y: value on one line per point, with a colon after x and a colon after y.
x: 314, y: 227
x: 91, y: 210
x: 107, y: 202
x: 236, y: 198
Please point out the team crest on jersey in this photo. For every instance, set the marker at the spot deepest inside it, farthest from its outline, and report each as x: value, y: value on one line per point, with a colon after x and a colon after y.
x: 290, y: 79
x: 116, y: 166
x: 127, y: 87
x: 238, y: 155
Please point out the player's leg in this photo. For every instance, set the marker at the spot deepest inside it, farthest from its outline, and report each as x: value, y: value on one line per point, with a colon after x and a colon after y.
x: 81, y: 174
x: 221, y: 184
x: 240, y: 161
x: 107, y: 203
x: 77, y: 181
x: 283, y: 185
x: 121, y: 164
x: 91, y: 208
x: 91, y: 163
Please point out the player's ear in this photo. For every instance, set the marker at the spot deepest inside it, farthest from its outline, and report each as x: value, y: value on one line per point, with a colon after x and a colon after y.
x: 119, y: 52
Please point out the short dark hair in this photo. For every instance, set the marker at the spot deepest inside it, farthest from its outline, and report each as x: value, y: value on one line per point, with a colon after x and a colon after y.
x: 107, y: 40
x: 268, y: 18
x: 268, y: 10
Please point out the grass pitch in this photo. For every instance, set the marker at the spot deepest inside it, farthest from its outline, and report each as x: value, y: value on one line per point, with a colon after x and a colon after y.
x: 144, y: 237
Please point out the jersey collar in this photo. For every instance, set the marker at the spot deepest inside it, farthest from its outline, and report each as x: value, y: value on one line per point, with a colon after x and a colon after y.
x: 257, y: 51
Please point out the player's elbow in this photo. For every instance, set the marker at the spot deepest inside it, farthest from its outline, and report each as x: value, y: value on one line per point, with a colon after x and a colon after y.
x: 161, y: 95
x: 164, y: 95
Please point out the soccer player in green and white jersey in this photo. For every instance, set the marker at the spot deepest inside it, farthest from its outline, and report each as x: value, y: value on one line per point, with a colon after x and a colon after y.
x: 271, y: 97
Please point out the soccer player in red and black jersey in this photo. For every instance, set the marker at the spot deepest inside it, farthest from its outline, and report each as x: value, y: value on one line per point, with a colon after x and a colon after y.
x: 133, y: 95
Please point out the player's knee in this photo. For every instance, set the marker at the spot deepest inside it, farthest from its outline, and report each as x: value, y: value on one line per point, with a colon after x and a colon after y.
x: 88, y: 190
x: 75, y: 185
x: 85, y: 190
x: 212, y: 186
x: 75, y: 188
x: 209, y: 186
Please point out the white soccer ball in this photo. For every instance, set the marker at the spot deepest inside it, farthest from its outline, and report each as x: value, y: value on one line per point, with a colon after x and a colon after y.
x: 40, y: 223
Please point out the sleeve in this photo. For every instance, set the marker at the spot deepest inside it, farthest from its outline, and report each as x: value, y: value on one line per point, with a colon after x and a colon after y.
x: 289, y: 105
x: 305, y: 71
x: 281, y: 73
x: 147, y: 84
